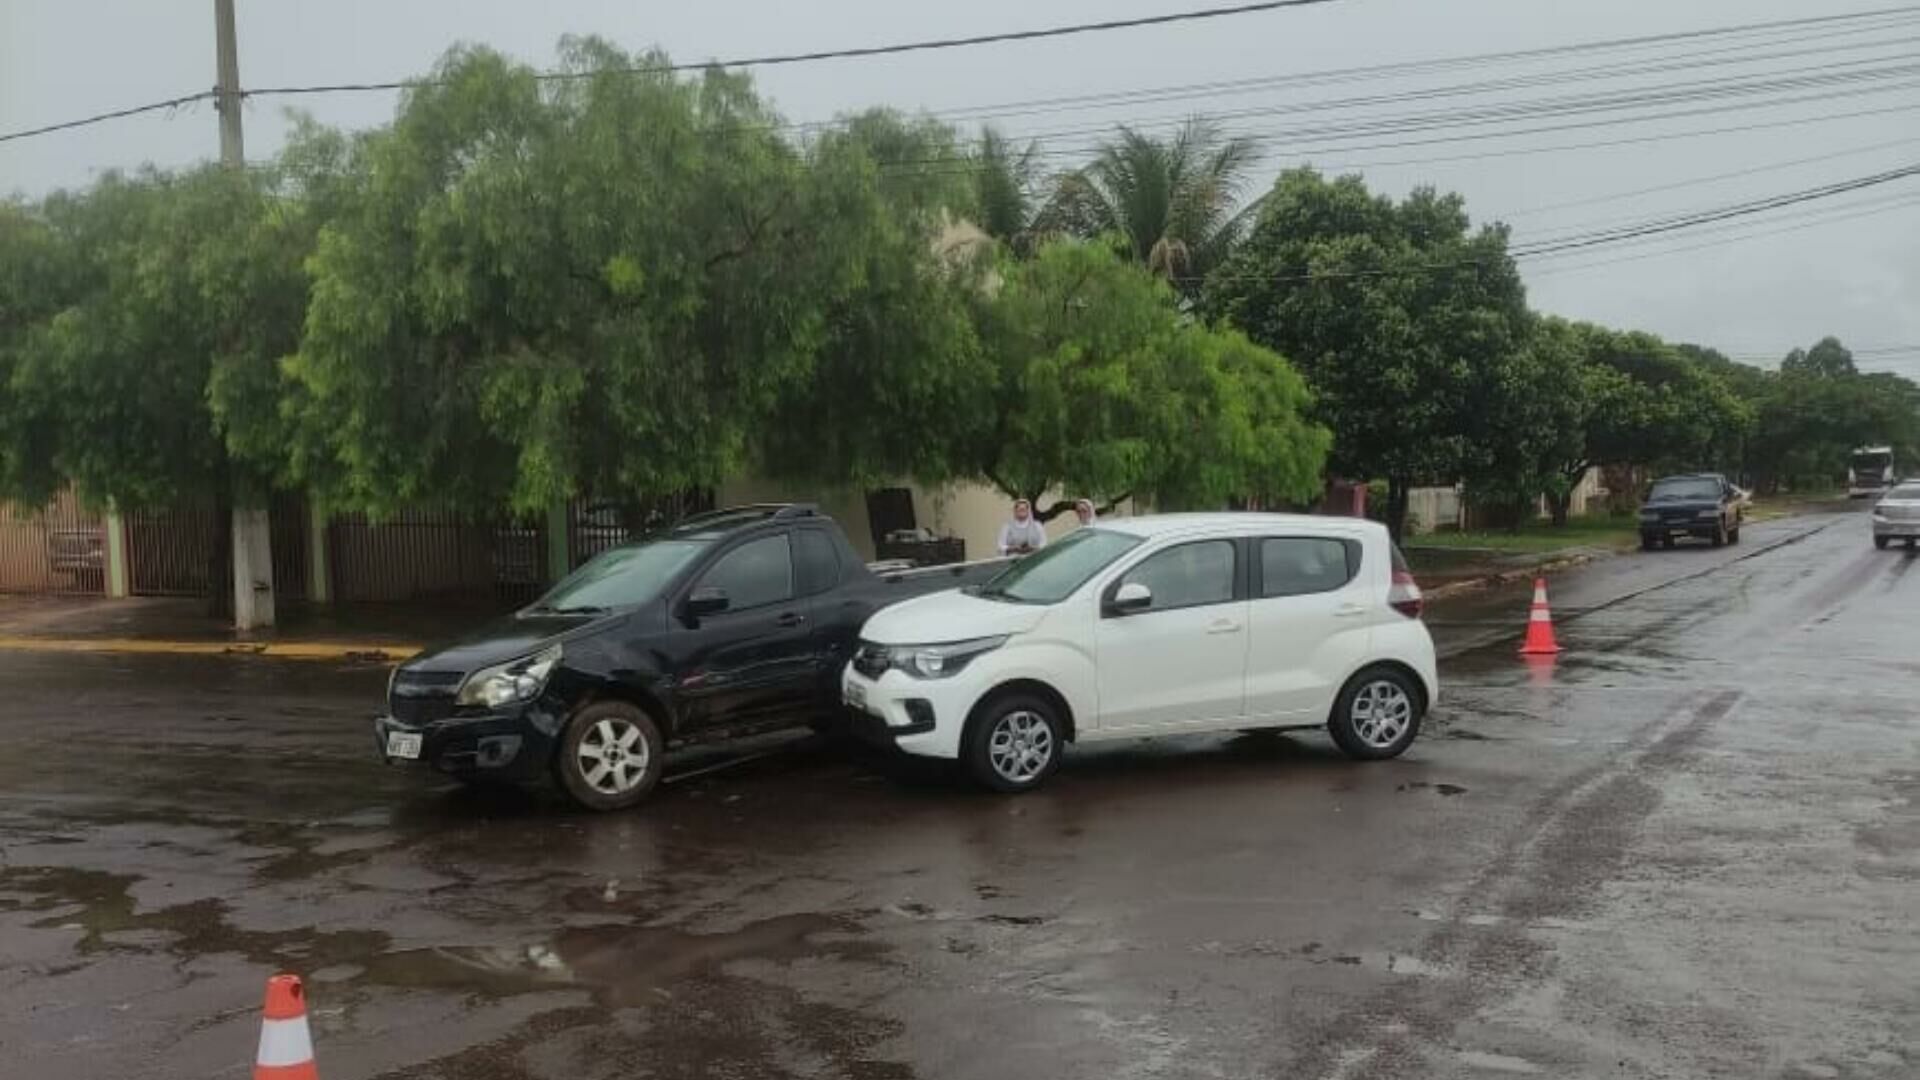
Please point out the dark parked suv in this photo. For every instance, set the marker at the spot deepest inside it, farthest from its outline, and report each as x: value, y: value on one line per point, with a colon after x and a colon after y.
x: 726, y: 624
x: 1702, y: 505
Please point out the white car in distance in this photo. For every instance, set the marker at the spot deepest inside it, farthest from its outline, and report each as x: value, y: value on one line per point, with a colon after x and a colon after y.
x: 1164, y: 625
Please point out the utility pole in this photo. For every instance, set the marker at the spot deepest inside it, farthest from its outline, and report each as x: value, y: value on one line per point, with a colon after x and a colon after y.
x: 252, y: 536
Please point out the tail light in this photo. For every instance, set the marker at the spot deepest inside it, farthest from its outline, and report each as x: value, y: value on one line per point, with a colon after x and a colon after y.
x: 1404, y: 595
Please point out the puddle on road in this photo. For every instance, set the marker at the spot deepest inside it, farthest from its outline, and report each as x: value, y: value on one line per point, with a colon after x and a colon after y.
x: 620, y: 964
x: 1505, y: 1063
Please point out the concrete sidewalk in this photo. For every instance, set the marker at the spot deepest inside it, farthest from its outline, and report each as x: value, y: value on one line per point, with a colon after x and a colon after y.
x: 182, y: 626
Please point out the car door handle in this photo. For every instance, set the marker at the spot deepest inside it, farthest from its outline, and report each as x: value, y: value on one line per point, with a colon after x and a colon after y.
x: 1350, y: 611
x: 791, y: 618
x: 1223, y: 626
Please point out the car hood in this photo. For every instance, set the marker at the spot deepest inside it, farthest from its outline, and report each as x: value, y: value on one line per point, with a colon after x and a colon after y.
x: 507, y: 638
x: 949, y: 616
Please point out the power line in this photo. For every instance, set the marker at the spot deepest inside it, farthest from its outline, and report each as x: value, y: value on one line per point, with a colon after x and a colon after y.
x: 1665, y: 225
x: 100, y: 118
x: 1082, y: 102
x: 1655, y: 227
x: 740, y: 62
x: 847, y: 53
x: 1714, y: 178
x: 1828, y: 218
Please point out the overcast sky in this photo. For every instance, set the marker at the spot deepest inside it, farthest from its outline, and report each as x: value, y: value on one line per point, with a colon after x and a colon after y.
x: 1849, y: 266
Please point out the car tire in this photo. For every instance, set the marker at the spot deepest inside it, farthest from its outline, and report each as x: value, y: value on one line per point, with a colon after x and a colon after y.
x: 1648, y: 541
x: 1719, y: 537
x: 1880, y: 542
x: 597, y: 765
x: 1377, y: 714
x: 1013, y: 743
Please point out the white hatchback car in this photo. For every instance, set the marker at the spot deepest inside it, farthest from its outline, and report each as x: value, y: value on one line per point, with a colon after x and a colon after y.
x: 1163, y: 625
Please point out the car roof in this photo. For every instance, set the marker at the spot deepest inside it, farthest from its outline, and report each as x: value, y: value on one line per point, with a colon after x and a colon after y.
x: 1692, y: 476
x: 1153, y: 526
x: 715, y: 524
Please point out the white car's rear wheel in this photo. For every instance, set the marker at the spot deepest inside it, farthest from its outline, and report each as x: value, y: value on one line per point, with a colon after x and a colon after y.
x: 1377, y: 714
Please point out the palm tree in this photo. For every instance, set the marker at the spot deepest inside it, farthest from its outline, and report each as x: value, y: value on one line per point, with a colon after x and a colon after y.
x: 1173, y: 202
x: 1005, y: 187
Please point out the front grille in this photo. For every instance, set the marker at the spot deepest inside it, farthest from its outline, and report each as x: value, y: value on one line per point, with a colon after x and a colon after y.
x: 872, y: 660
x: 423, y: 697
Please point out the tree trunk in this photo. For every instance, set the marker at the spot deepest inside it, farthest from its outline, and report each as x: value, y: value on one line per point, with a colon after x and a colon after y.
x: 1397, y: 498
x: 1559, y: 504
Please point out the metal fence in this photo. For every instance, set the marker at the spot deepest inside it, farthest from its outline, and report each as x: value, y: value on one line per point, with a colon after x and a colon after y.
x: 57, y: 548
x: 595, y: 526
x: 176, y: 552
x: 431, y: 554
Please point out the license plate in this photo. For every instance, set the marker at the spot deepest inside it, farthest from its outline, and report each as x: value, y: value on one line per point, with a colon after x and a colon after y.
x: 402, y: 744
x: 857, y: 696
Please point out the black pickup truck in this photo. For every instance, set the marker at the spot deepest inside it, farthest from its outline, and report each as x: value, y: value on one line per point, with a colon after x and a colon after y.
x: 728, y: 624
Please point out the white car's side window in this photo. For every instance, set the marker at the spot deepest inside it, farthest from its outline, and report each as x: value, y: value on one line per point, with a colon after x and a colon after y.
x: 1187, y: 575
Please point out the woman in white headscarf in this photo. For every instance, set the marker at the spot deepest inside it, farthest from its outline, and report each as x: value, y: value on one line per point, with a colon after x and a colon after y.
x: 1083, y: 509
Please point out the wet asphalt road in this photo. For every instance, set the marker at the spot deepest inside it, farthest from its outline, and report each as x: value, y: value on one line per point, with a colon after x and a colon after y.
x: 1690, y: 848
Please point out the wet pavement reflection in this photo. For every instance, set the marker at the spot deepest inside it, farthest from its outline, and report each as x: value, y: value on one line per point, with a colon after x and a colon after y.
x: 1688, y: 846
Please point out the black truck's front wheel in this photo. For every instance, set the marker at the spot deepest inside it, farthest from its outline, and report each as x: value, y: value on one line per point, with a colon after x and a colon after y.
x: 611, y: 756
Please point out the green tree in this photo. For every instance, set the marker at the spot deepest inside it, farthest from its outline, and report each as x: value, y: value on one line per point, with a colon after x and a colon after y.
x: 1827, y: 360
x: 900, y: 377
x: 1172, y: 202
x: 146, y: 373
x: 1101, y: 387
x: 540, y: 289
x: 1404, y: 320
x: 1006, y: 183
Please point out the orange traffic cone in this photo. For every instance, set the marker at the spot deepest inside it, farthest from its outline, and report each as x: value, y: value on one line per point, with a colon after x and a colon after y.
x: 286, y: 1048
x: 1539, y: 624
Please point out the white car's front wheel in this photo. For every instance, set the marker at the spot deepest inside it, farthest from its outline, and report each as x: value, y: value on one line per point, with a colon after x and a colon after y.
x: 1377, y: 714
x: 1014, y: 743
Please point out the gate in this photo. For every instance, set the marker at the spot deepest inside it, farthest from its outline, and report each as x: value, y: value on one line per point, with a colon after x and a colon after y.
x: 434, y: 554
x: 176, y: 552
x: 58, y: 548
x: 595, y: 526
x: 289, y: 529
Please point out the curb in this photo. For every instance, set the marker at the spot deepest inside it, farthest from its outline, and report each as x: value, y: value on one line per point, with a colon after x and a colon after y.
x: 383, y: 652
x: 1507, y: 577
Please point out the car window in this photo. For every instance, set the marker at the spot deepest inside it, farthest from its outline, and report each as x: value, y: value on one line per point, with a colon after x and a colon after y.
x: 1904, y: 492
x: 1188, y: 575
x: 819, y: 562
x: 1297, y: 566
x: 1690, y: 488
x: 1055, y: 571
x: 632, y: 574
x: 755, y: 574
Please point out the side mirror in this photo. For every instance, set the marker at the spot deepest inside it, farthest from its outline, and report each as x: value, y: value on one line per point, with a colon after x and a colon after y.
x: 708, y: 601
x: 1131, y: 597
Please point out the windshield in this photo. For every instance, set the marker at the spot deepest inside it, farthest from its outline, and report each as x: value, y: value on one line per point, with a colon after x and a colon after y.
x: 620, y: 577
x: 1052, y: 574
x: 1692, y: 488
x: 1871, y: 462
x: 1904, y: 492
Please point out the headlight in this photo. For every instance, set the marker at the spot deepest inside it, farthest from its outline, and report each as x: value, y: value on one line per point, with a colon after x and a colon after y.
x: 1649, y: 515
x: 520, y: 680
x: 941, y: 661
x: 1708, y: 515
